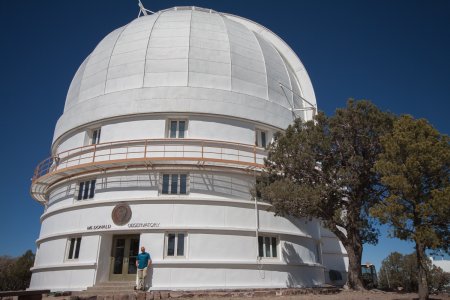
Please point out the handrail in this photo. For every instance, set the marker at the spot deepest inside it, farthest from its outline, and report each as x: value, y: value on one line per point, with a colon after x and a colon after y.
x: 153, y: 149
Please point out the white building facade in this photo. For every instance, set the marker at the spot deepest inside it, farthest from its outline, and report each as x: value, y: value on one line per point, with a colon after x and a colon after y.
x: 163, y: 132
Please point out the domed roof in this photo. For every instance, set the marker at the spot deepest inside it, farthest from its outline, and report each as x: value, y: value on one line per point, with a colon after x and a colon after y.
x: 182, y: 60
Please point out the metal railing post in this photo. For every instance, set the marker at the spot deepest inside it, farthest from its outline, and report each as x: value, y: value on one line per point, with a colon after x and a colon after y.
x: 145, y: 149
x: 95, y: 150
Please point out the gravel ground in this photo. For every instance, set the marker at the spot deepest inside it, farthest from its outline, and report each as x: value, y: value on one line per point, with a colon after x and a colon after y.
x: 347, y: 295
x: 342, y: 295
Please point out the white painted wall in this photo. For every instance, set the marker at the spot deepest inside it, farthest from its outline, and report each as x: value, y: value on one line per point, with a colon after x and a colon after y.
x: 145, y: 184
x: 155, y: 127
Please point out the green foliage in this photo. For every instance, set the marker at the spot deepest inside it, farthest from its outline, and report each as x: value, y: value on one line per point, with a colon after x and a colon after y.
x: 324, y: 168
x: 15, y: 273
x: 399, y: 272
x: 415, y: 168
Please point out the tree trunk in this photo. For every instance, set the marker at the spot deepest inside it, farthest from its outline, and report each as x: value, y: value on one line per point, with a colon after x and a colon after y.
x: 354, y: 251
x: 421, y: 274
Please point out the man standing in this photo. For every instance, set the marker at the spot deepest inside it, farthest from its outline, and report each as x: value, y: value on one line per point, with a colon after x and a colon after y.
x: 143, y: 261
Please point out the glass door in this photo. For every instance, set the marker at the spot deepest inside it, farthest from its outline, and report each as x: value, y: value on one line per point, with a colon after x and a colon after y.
x: 123, y: 260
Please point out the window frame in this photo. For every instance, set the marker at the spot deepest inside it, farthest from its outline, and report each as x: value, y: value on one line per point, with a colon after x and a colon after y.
x: 177, y: 133
x: 90, y: 191
x: 95, y: 136
x: 166, y: 245
x: 258, y: 137
x: 170, y: 182
x: 75, y: 250
x: 264, y: 247
x: 89, y: 136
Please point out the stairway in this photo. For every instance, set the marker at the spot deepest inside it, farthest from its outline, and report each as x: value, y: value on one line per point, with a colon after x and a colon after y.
x: 108, y: 288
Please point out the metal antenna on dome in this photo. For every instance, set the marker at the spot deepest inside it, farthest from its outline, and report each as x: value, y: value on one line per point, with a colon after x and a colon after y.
x: 294, y: 110
x: 142, y: 10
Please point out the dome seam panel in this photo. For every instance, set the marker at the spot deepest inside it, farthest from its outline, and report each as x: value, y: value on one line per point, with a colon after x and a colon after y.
x: 146, y: 50
x: 265, y: 65
x: 110, y: 56
x: 288, y: 75
x: 189, y: 49
x: 229, y: 51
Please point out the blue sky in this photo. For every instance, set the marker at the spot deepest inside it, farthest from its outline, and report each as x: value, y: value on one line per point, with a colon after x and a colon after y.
x: 395, y: 53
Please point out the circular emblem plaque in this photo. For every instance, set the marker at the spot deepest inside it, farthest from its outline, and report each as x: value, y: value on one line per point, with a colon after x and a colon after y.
x: 121, y: 214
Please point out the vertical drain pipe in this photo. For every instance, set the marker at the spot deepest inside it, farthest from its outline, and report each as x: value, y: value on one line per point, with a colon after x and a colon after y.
x: 258, y: 259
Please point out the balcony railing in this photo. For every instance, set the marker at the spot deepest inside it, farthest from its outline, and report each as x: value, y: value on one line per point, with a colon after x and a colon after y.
x: 145, y: 153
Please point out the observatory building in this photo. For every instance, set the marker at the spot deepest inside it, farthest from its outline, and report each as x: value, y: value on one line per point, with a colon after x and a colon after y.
x: 165, y: 127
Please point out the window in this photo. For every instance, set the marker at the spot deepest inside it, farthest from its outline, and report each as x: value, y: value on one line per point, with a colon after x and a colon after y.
x: 73, y: 248
x: 174, y: 184
x: 175, y: 243
x: 86, y: 189
x: 261, y: 138
x: 177, y: 129
x: 96, y: 136
x: 267, y: 246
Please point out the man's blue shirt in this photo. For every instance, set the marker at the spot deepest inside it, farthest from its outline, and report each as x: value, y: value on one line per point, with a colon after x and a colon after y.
x: 143, y: 259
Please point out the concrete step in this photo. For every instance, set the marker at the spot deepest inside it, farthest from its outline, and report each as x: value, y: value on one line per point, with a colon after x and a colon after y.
x: 108, y: 288
x: 116, y: 283
x: 119, y: 287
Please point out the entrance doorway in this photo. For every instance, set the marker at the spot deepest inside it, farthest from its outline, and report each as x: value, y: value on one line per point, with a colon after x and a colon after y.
x: 123, y: 261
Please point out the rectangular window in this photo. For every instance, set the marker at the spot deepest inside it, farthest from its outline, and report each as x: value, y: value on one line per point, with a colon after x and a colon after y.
x: 177, y: 129
x: 96, y: 136
x: 267, y: 246
x: 86, y: 189
x: 74, y: 248
x: 175, y: 244
x: 261, y: 138
x: 174, y: 184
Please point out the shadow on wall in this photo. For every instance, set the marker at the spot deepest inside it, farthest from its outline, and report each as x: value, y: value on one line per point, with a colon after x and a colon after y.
x: 220, y: 185
x: 149, y: 279
x: 290, y: 255
x: 300, y: 276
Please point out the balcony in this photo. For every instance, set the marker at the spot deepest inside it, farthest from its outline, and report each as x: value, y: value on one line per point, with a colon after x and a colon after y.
x: 142, y: 154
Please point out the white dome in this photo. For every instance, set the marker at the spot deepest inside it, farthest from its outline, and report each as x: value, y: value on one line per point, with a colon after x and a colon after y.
x: 188, y: 60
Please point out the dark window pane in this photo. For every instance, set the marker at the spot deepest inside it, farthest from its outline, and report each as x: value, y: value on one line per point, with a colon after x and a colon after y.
x: 119, y: 252
x: 86, y: 190
x: 92, y: 191
x: 94, y: 137
x: 274, y: 247
x: 181, y: 129
x: 165, y: 184
x: 173, y: 129
x: 180, y: 245
x: 80, y: 191
x: 77, y: 248
x: 267, y: 246
x: 263, y: 139
x: 260, y: 246
x: 98, y: 136
x: 72, y: 245
x: 171, y: 245
x: 134, y: 251
x: 183, y: 178
x: 174, y: 184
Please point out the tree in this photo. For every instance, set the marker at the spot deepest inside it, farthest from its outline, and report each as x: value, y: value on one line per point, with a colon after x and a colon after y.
x: 15, y: 273
x: 399, y: 271
x: 324, y: 168
x: 415, y: 168
x: 391, y: 271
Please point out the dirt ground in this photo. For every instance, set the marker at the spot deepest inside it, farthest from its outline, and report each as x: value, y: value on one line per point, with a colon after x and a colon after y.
x: 348, y: 295
x: 342, y: 295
